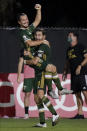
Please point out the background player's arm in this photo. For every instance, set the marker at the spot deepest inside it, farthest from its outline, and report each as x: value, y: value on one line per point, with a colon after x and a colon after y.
x: 20, y: 65
x: 83, y: 63
x: 66, y: 69
x: 38, y: 15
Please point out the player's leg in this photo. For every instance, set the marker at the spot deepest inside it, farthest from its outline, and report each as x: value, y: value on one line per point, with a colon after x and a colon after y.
x: 27, y: 88
x: 45, y: 100
x: 39, y: 103
x: 85, y: 95
x: 79, y: 100
x: 79, y: 103
x: 26, y: 104
x: 41, y: 112
x: 83, y: 83
x: 76, y: 87
x: 55, y: 78
x: 48, y: 82
x: 47, y: 103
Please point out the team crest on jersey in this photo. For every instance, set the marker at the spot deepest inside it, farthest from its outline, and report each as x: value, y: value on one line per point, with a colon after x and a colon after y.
x: 30, y: 33
x: 25, y: 87
x: 25, y: 38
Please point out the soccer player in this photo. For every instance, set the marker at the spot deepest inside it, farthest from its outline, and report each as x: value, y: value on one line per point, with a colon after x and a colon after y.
x: 28, y: 83
x: 42, y: 57
x: 76, y: 61
x: 26, y: 40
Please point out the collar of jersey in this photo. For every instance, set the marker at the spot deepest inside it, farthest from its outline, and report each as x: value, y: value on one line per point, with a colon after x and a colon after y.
x: 24, y: 28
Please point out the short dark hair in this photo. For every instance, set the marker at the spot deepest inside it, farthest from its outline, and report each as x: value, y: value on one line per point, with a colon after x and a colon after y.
x: 19, y: 15
x: 75, y: 33
x: 40, y: 30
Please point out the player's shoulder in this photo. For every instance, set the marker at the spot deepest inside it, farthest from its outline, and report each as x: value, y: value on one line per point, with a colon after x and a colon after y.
x: 22, y: 31
x: 81, y: 46
x: 32, y: 27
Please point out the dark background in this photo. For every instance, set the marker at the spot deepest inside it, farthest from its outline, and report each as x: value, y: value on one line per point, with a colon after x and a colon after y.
x: 55, y: 13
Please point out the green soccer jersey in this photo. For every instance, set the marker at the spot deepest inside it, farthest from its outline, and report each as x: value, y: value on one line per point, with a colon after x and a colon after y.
x: 27, y: 34
x: 44, y: 53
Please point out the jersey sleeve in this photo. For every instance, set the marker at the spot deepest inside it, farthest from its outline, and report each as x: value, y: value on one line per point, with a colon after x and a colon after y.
x: 40, y: 53
x: 31, y: 28
x: 25, y: 37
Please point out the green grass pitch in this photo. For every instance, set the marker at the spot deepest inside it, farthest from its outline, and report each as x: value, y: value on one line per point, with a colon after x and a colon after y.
x: 28, y: 125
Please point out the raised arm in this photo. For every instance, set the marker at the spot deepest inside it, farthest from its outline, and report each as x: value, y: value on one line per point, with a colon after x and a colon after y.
x: 38, y: 15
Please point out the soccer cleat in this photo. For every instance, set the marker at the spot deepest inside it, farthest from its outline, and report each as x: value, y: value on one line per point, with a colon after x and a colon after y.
x: 65, y: 91
x: 55, y: 120
x: 41, y: 125
x: 26, y: 116
x: 52, y: 94
x: 78, y: 117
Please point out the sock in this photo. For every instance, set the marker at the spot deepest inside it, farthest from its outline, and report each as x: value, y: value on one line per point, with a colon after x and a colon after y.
x: 48, y: 80
x: 26, y: 109
x: 48, y: 104
x: 57, y: 81
x: 41, y: 113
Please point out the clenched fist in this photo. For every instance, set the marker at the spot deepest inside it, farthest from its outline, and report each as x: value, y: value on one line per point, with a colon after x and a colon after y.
x: 37, y: 6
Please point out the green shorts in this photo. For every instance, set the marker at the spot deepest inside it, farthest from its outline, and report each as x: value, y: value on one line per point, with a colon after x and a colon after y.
x: 28, y: 84
x: 39, y: 83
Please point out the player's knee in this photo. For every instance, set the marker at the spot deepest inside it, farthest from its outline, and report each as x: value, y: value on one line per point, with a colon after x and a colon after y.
x: 85, y: 95
x: 54, y: 69
x: 40, y: 94
x: 49, y: 68
x: 36, y: 99
x: 27, y: 95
